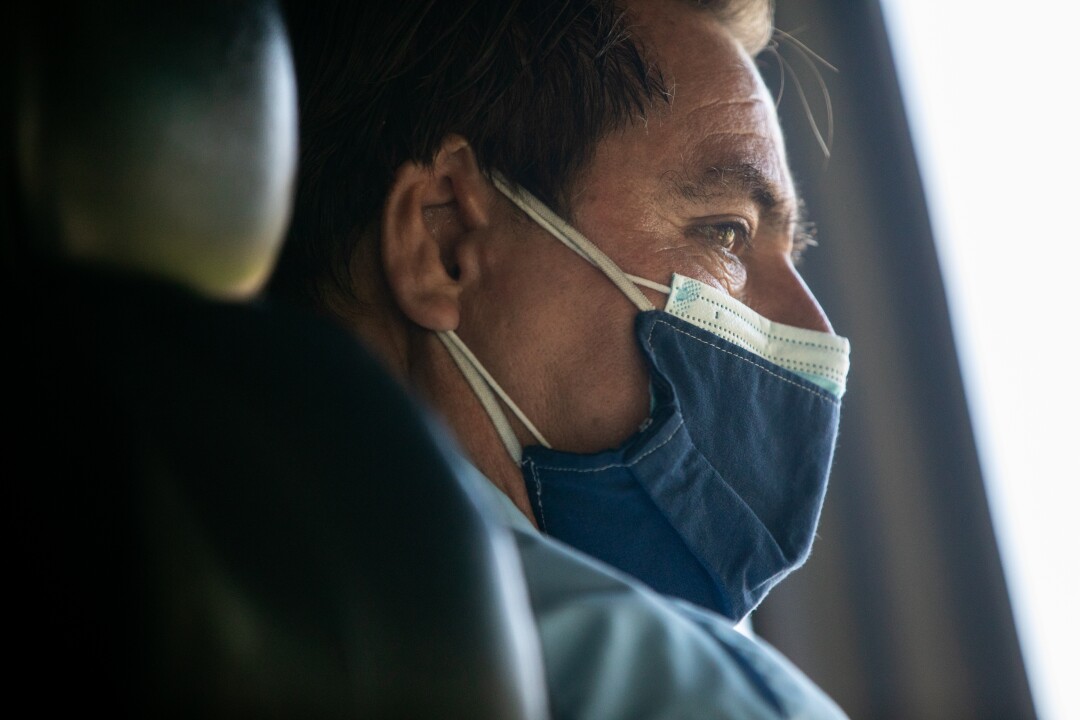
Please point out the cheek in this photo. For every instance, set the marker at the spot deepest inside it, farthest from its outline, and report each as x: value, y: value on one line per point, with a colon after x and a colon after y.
x: 721, y: 270
x: 559, y: 337
x: 537, y: 305
x: 730, y: 276
x: 602, y: 381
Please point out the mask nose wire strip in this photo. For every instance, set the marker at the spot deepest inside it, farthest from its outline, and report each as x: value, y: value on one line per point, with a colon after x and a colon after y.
x: 485, y: 388
x: 575, y: 241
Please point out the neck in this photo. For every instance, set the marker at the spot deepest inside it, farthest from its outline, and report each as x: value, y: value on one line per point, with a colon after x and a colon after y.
x: 445, y: 388
x: 418, y: 358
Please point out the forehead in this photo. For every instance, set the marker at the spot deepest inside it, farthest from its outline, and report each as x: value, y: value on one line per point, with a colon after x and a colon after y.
x: 693, y: 41
x: 720, y: 115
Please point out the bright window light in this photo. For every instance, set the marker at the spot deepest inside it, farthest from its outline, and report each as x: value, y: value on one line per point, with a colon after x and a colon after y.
x: 992, y: 90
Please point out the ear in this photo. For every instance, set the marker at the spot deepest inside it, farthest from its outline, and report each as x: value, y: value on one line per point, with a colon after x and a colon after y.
x: 428, y: 221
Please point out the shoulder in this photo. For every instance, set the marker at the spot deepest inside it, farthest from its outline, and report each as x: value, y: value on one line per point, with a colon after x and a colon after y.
x: 613, y: 648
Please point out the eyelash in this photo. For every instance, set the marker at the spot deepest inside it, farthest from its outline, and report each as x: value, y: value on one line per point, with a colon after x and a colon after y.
x: 712, y: 233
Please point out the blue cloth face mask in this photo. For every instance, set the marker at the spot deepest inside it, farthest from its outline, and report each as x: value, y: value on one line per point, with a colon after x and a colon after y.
x: 717, y: 497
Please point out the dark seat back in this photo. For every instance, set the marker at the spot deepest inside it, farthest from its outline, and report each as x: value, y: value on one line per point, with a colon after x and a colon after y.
x: 216, y: 507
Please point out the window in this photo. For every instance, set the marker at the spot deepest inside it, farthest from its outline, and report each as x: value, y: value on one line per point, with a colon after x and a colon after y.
x: 990, y: 90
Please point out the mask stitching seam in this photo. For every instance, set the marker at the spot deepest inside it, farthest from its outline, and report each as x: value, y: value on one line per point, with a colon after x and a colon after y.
x: 664, y: 442
x: 711, y: 467
x: 751, y: 324
x: 770, y: 336
x: 739, y: 357
x: 724, y: 479
x: 779, y: 360
x: 539, y: 495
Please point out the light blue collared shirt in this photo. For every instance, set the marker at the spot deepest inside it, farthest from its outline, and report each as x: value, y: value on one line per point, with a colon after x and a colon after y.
x: 614, y: 649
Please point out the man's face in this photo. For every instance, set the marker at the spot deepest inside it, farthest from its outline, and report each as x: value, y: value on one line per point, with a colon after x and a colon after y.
x: 701, y: 188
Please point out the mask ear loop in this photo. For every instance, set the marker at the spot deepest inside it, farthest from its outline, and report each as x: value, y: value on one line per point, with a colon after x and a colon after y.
x: 545, y: 218
x: 482, y: 385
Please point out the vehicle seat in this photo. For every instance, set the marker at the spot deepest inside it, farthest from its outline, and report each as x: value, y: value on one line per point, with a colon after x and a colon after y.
x: 217, y: 507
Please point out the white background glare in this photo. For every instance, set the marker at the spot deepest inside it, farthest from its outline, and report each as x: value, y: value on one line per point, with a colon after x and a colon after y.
x: 992, y: 91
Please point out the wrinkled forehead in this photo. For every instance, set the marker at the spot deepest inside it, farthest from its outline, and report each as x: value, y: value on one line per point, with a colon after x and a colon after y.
x: 719, y: 113
x: 695, y: 43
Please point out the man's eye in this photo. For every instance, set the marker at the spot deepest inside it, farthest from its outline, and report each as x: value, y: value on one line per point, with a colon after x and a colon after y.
x: 726, y: 235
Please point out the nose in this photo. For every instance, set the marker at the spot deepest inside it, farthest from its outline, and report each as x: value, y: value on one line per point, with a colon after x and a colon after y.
x: 780, y: 294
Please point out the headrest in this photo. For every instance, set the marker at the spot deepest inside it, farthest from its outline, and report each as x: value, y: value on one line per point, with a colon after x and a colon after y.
x: 158, y: 138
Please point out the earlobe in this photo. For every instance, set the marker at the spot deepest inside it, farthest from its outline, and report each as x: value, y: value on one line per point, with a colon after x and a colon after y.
x: 429, y: 220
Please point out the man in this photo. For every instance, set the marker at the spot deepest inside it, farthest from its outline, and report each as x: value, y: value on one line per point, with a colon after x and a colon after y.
x: 500, y: 198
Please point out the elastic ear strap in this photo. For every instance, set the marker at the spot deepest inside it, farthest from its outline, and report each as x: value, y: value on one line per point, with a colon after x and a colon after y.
x: 577, y: 242
x: 485, y: 388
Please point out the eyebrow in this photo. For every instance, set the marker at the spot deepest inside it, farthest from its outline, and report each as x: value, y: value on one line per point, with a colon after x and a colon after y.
x: 738, y: 178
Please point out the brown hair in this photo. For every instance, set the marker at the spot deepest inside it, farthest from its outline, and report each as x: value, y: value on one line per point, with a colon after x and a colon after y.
x: 533, y: 85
